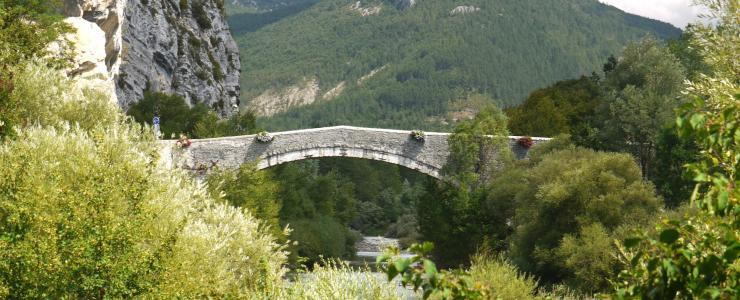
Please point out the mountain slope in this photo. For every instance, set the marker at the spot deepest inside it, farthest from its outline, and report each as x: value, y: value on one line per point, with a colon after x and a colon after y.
x: 372, y: 63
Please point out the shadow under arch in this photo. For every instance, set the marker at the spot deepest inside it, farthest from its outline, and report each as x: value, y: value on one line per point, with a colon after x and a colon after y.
x: 350, y: 152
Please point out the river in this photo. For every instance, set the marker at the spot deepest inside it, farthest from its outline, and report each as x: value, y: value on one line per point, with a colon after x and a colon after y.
x: 370, y: 247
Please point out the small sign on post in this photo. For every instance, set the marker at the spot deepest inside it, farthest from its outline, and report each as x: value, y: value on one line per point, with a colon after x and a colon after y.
x: 155, y: 121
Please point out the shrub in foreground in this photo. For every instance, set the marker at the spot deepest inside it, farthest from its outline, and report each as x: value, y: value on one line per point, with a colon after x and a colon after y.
x: 337, y: 281
x: 86, y: 210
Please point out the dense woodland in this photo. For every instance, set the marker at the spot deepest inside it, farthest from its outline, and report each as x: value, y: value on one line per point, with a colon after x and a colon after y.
x: 635, y: 197
x: 433, y: 60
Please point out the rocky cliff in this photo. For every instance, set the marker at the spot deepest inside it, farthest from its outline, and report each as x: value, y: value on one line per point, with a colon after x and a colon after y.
x: 181, y: 47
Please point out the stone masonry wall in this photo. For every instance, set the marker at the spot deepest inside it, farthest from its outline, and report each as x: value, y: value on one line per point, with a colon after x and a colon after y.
x: 392, y: 146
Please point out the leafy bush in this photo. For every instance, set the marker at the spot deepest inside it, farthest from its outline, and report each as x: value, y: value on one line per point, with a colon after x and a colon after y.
x: 211, y: 126
x: 96, y: 212
x: 697, y: 256
x: 479, y: 148
x: 27, y: 30
x: 500, y: 278
x: 421, y: 273
x: 565, y: 107
x: 61, y: 100
x: 87, y: 212
x: 575, y: 196
x: 322, y: 236
x: 337, y: 281
x: 251, y: 189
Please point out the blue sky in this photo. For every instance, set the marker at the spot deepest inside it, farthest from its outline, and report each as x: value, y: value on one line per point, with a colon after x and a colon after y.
x: 677, y: 12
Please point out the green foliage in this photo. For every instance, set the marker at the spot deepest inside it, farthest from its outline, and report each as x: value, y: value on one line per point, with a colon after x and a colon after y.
x: 629, y: 111
x: 431, y: 58
x: 322, y: 236
x: 697, y: 256
x: 589, y: 256
x: 489, y: 277
x: 175, y: 115
x: 337, y: 281
x: 577, y: 196
x: 669, y: 174
x: 250, y: 189
x: 88, y: 212
x: 65, y: 207
x: 689, y: 56
x: 500, y: 279
x: 641, y: 94
x: 452, y: 215
x: 34, y: 107
x: 211, y: 126
x: 88, y: 182
x: 405, y: 229
x: 421, y: 273
x: 27, y: 29
x: 200, y: 14
x: 478, y: 148
x: 319, y: 206
x: 566, y: 107
x: 202, y: 74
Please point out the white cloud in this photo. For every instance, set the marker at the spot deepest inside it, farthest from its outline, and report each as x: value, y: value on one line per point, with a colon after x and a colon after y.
x: 677, y: 12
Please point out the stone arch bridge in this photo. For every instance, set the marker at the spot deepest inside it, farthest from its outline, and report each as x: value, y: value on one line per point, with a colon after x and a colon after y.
x: 391, y: 146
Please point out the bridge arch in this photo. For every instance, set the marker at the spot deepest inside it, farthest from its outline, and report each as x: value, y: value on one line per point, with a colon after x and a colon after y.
x: 391, y: 146
x: 346, y: 151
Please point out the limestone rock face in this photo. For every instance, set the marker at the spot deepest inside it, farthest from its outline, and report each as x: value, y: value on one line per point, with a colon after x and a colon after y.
x: 364, y: 11
x: 464, y: 10
x: 181, y: 47
x: 274, y: 101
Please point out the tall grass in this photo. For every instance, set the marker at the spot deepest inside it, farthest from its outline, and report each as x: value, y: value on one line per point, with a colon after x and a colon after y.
x: 336, y: 280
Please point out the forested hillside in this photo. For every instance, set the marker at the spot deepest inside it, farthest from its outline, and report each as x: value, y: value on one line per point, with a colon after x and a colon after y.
x: 425, y: 61
x: 256, y: 6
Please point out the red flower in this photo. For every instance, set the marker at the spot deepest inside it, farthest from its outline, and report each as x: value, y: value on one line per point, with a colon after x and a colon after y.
x: 526, y: 142
x: 183, y: 142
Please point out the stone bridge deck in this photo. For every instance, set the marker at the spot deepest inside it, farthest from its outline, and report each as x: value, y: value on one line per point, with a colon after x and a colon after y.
x: 392, y: 146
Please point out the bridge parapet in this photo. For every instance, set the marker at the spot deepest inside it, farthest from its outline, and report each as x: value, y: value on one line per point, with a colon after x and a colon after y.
x: 392, y: 146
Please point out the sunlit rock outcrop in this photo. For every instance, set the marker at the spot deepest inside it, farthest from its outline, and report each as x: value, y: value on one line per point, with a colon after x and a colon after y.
x: 171, y: 46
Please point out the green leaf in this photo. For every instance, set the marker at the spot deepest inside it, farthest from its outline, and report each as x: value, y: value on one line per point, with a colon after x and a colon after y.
x: 402, y: 264
x: 732, y: 252
x: 722, y: 200
x: 669, y: 236
x: 632, y: 242
x: 391, y: 272
x: 430, y: 268
x: 427, y: 247
x: 385, y: 256
x: 635, y: 260
x: 697, y: 120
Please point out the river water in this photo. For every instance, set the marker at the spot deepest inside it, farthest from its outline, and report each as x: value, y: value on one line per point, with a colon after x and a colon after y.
x: 370, y: 247
x: 368, y: 250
